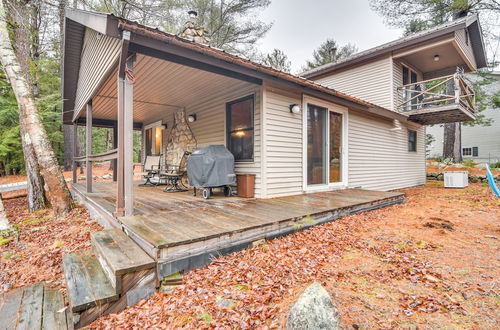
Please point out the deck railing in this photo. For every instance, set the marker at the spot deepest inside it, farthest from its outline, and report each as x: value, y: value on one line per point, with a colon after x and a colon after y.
x: 437, y: 92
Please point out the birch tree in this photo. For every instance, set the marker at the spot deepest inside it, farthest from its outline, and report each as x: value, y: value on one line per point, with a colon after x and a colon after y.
x: 32, y: 130
x: 35, y: 191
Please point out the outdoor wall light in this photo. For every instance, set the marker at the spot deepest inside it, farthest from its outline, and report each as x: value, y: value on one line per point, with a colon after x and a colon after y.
x: 295, y: 108
x: 164, y: 126
x: 436, y: 58
x: 192, y: 118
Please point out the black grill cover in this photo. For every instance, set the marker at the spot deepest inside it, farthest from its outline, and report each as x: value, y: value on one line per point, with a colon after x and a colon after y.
x: 211, y: 166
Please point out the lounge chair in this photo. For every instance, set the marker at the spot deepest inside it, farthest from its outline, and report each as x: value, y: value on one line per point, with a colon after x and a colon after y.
x: 173, y: 174
x: 151, y: 170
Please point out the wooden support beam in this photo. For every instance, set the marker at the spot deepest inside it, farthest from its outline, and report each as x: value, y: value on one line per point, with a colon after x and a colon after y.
x: 128, y: 142
x: 89, y: 147
x: 115, y: 146
x: 75, y: 150
x: 125, y: 198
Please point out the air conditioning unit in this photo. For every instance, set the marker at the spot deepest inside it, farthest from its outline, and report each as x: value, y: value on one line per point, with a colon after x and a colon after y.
x: 458, y: 179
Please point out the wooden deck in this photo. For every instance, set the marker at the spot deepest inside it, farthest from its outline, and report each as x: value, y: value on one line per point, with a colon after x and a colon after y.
x: 34, y: 307
x: 181, y: 231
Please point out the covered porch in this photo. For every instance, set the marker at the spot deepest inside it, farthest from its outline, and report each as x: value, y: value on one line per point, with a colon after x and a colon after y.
x: 182, y: 232
x: 178, y: 105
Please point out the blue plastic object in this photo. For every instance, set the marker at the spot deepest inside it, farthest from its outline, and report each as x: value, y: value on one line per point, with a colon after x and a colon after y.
x: 491, y: 181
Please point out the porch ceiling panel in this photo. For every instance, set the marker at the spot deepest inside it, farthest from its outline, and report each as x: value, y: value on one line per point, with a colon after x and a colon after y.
x: 424, y: 59
x: 160, y: 86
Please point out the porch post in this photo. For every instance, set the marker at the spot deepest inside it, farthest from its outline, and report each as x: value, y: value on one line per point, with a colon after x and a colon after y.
x: 125, y: 198
x: 88, y: 162
x: 75, y: 154
x: 115, y: 145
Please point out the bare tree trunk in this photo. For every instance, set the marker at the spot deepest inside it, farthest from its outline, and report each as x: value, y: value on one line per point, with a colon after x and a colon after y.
x: 69, y: 153
x: 68, y: 136
x: 35, y: 192
x: 452, y: 142
x: 452, y: 139
x: 34, y: 133
x: 452, y: 133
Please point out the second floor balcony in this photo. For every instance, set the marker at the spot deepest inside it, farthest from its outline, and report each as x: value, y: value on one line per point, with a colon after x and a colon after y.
x: 436, y: 101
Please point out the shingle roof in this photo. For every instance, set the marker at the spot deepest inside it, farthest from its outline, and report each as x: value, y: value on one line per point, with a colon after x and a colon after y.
x: 219, y: 54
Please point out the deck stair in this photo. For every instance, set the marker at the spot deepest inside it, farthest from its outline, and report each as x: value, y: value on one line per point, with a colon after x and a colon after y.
x: 112, y: 275
x: 34, y: 307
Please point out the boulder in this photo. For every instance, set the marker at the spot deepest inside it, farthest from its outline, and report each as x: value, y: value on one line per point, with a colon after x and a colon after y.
x: 107, y: 176
x: 313, y: 310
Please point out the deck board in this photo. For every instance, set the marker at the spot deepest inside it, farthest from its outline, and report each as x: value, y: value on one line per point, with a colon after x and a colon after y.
x: 172, y: 219
x: 34, y: 307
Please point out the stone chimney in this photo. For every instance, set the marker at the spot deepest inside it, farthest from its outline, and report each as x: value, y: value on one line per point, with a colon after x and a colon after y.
x: 193, y: 31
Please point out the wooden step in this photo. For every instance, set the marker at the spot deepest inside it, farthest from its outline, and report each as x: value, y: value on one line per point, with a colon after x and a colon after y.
x: 119, y: 255
x: 87, y: 283
x: 34, y: 307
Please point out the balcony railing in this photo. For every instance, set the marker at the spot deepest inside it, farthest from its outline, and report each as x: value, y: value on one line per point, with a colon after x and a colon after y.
x: 433, y: 93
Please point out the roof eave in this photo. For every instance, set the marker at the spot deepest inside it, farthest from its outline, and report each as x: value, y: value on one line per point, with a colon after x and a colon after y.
x: 476, y: 38
x: 101, y: 22
x: 172, y: 42
x: 316, y: 72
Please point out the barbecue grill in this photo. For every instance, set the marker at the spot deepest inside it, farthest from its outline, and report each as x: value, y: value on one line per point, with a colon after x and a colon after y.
x: 211, y: 167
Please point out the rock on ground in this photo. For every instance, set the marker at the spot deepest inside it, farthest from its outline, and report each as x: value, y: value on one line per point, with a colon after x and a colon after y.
x: 313, y: 310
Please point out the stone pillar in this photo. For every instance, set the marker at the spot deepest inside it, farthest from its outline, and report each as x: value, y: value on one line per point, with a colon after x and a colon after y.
x: 180, y: 140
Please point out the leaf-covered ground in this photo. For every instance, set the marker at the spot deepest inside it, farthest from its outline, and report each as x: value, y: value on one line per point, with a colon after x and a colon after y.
x: 32, y: 253
x: 432, y: 262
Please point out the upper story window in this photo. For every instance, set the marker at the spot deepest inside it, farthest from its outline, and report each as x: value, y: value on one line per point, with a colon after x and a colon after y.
x: 412, y: 140
x: 240, y: 128
x: 409, y: 76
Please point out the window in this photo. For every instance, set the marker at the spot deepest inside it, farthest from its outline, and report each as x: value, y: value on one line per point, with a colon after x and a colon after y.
x: 153, y: 139
x: 410, y: 77
x: 412, y: 140
x: 470, y: 151
x: 240, y: 130
x: 466, y: 37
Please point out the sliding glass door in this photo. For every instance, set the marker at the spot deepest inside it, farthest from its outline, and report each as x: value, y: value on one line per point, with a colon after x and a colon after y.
x: 335, y: 157
x: 316, y: 145
x: 324, y: 147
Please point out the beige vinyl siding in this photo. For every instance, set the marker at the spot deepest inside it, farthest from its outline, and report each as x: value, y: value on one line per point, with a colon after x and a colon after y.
x: 99, y: 54
x: 370, y: 82
x: 460, y: 37
x: 397, y: 76
x: 209, y: 127
x: 379, y: 158
x: 283, y: 140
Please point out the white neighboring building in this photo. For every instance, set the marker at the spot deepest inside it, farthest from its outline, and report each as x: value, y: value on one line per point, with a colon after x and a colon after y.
x: 481, y: 143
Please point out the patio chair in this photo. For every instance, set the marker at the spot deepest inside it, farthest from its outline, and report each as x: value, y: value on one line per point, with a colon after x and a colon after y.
x: 173, y: 175
x: 150, y: 170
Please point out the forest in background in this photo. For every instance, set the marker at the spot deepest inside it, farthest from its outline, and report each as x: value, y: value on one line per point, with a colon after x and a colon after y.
x: 223, y: 20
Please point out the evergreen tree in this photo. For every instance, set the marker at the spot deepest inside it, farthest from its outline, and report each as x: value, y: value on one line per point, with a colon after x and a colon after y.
x: 330, y: 52
x: 278, y: 60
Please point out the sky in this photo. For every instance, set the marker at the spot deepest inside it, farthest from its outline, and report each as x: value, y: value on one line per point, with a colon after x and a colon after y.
x: 300, y: 26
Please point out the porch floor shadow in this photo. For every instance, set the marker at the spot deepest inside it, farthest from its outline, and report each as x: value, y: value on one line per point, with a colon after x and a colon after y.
x: 177, y: 228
